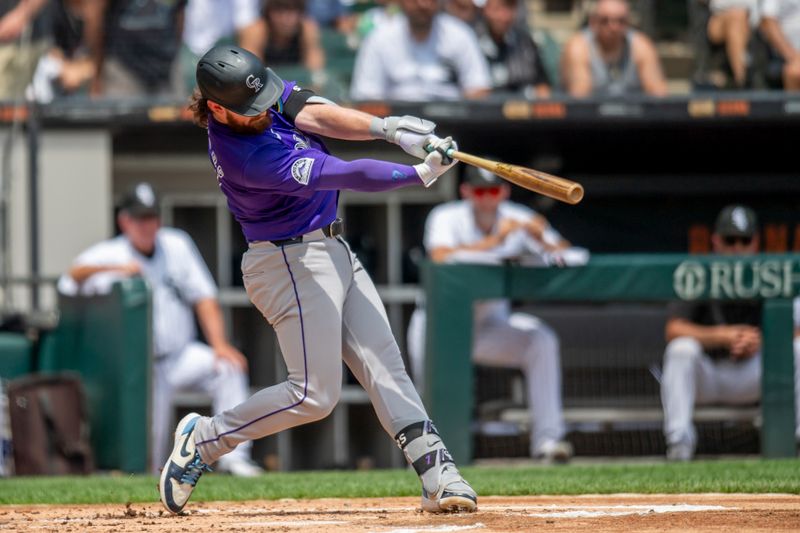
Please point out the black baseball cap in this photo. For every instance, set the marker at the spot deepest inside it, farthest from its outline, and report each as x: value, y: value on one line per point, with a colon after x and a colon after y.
x: 140, y: 201
x: 237, y: 80
x: 478, y: 177
x: 736, y: 221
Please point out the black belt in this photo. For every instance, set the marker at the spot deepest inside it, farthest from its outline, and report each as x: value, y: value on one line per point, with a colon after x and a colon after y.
x: 331, y: 230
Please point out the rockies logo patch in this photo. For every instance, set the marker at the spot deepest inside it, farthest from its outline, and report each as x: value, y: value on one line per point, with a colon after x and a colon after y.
x: 301, y: 170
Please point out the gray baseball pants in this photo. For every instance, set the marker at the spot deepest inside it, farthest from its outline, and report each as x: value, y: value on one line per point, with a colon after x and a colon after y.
x: 692, y: 378
x: 325, y: 310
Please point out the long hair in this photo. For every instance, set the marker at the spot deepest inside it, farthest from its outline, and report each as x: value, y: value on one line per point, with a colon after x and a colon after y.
x: 198, y: 105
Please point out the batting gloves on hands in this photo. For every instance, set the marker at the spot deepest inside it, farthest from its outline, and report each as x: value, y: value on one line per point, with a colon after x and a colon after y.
x: 436, y: 162
x: 411, y: 133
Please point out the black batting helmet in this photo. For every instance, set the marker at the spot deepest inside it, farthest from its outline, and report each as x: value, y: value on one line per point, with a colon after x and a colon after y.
x: 237, y: 80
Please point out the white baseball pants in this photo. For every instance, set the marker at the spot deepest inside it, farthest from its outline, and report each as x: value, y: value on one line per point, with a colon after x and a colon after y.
x: 690, y: 377
x: 522, y: 341
x: 325, y: 310
x: 195, y: 368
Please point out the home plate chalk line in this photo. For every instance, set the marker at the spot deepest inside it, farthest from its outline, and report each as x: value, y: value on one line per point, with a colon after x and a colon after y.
x: 588, y: 511
x: 533, y: 511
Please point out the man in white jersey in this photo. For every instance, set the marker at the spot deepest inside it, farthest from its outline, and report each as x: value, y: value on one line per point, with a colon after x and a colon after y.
x: 181, y: 286
x: 485, y: 226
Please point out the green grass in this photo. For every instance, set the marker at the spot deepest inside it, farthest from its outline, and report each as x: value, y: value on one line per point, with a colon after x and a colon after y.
x: 750, y: 476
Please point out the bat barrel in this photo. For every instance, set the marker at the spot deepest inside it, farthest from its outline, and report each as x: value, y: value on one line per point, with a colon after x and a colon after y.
x: 534, y: 180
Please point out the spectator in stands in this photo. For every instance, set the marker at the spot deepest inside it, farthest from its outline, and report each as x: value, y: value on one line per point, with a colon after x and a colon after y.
x: 23, y: 40
x: 608, y: 58
x: 729, y: 26
x: 136, y: 47
x: 424, y: 55
x: 465, y: 10
x: 334, y: 14
x: 181, y: 286
x: 290, y: 38
x: 67, y: 68
x: 514, y: 61
x: 382, y: 11
x: 780, y: 26
x: 485, y: 227
x: 713, y: 354
x: 235, y: 22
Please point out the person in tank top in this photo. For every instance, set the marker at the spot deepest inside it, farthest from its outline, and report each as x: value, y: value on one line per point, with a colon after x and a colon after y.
x: 609, y: 58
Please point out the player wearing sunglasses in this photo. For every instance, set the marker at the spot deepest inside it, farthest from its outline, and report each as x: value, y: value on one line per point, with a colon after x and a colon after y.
x: 484, y: 220
x: 713, y: 354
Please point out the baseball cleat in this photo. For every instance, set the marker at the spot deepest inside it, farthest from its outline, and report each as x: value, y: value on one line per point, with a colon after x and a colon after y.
x: 680, y: 452
x: 453, y: 496
x: 183, y: 468
x: 443, y: 488
x: 555, y: 452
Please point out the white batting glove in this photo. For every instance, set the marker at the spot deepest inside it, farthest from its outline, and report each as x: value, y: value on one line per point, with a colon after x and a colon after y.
x: 411, y: 133
x: 433, y: 166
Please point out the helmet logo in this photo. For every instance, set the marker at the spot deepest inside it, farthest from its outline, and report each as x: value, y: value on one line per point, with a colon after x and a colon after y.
x: 254, y: 83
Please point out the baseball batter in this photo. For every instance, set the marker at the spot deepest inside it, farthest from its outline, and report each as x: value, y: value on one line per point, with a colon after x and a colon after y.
x: 283, y: 186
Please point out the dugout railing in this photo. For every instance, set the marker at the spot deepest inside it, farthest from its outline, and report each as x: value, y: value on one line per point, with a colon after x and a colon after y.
x: 452, y: 289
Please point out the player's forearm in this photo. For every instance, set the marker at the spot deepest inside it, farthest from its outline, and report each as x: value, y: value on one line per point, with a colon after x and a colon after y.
x: 709, y: 337
x: 441, y: 253
x: 335, y: 122
x: 210, y: 317
x: 81, y: 273
x: 366, y: 175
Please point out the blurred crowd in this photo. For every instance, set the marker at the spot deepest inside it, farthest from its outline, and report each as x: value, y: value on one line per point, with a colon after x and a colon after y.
x: 414, y: 50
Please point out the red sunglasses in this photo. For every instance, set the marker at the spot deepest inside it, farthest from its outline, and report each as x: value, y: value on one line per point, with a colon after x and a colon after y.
x: 490, y: 191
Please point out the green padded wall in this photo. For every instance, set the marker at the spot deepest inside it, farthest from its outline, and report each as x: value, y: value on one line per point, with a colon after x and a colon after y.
x: 107, y: 340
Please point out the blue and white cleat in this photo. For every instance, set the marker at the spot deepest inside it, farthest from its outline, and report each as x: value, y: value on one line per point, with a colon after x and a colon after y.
x: 184, y: 467
x: 453, y: 495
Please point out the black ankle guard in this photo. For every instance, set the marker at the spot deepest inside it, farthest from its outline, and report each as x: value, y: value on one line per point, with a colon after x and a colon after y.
x: 414, y: 431
x: 428, y: 461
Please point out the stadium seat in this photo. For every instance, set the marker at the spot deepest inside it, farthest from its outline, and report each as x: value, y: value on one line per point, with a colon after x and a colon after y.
x: 550, y: 52
x: 339, y: 57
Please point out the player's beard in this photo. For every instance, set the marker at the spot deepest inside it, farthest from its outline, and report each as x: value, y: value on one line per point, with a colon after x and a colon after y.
x: 254, y: 126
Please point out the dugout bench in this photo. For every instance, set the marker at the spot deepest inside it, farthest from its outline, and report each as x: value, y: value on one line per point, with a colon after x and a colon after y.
x: 451, y: 290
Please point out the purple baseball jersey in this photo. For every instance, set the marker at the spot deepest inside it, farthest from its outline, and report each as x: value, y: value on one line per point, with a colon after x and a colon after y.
x: 284, y: 183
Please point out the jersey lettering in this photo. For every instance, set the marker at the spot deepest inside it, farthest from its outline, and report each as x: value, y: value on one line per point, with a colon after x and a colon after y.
x: 217, y: 166
x: 300, y: 141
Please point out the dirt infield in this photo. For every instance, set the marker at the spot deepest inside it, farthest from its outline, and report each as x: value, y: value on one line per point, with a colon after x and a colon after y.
x: 599, y: 514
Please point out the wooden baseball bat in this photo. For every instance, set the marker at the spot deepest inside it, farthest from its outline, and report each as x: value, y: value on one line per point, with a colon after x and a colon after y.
x: 537, y: 181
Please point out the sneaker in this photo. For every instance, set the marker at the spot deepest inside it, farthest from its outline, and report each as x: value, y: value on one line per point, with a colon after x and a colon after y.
x: 680, y: 452
x: 238, y: 466
x: 183, y: 468
x: 555, y: 452
x: 454, y: 494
